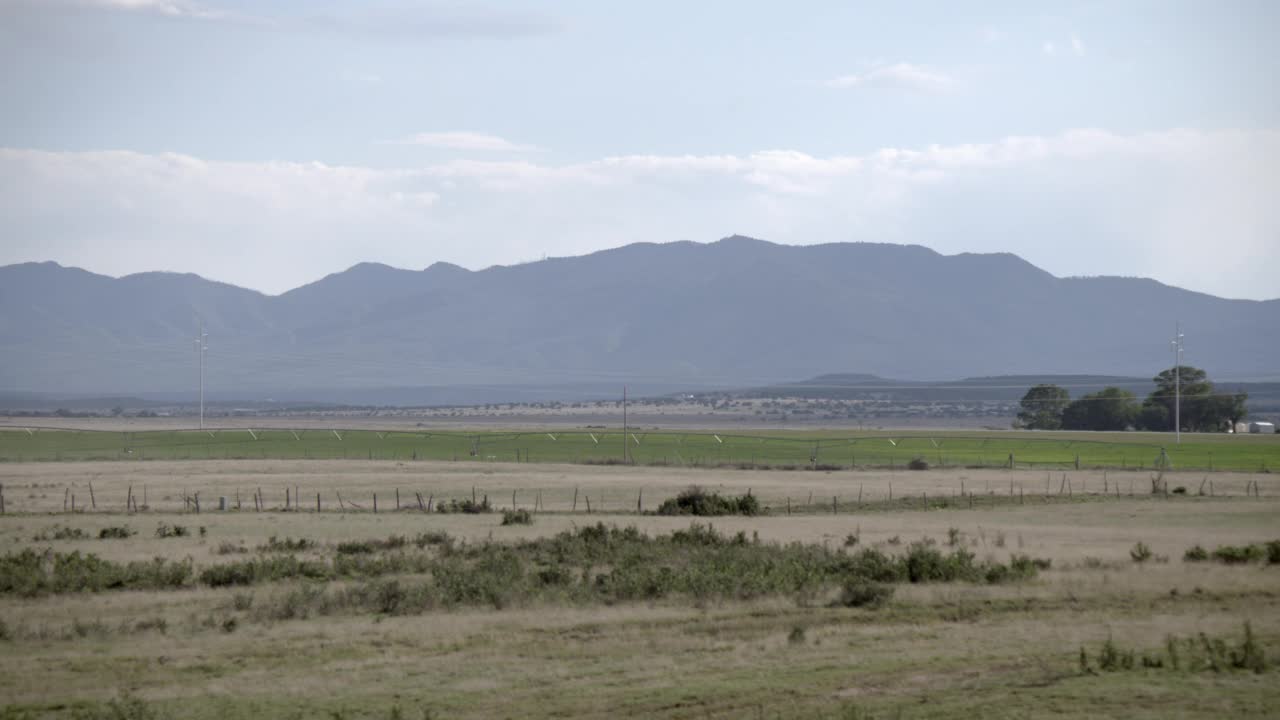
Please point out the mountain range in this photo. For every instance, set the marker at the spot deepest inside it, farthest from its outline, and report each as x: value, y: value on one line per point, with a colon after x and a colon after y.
x: 737, y: 312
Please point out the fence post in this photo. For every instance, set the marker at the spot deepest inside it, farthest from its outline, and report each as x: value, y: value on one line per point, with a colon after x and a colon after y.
x: 317, y: 502
x: 375, y: 503
x: 834, y: 505
x: 92, y: 500
x: 397, y: 499
x: 575, y: 499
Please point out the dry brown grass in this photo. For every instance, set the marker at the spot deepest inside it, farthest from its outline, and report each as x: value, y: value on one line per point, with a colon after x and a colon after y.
x: 934, y: 651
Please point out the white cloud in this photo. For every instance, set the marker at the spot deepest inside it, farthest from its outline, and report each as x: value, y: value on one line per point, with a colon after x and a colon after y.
x: 1082, y: 202
x: 1049, y: 48
x: 467, y: 141
x: 897, y: 75
x: 168, y: 8
x: 1076, y: 46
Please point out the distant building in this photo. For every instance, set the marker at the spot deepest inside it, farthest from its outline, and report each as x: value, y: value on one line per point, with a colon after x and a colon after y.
x: 1261, y: 426
x: 1240, y: 427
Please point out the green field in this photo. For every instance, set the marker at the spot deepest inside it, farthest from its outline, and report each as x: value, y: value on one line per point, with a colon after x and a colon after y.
x: 1247, y: 453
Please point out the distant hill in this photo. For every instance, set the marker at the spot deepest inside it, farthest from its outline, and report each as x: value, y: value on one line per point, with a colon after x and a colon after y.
x: 738, y: 312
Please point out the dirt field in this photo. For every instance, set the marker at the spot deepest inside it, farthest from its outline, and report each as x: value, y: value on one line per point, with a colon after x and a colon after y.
x: 935, y: 650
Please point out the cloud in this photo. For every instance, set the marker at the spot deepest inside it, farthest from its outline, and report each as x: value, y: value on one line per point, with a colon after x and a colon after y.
x: 1049, y: 48
x: 166, y: 8
x: 467, y: 141
x: 390, y: 20
x: 1086, y: 201
x: 897, y: 75
x: 1076, y: 46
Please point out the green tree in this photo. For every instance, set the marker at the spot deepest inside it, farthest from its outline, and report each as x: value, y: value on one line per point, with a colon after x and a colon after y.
x: 1108, y: 409
x: 1203, y: 408
x: 1042, y: 407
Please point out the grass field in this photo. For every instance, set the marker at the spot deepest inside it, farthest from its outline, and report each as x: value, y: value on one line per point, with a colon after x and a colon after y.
x: 751, y: 628
x: 1246, y: 453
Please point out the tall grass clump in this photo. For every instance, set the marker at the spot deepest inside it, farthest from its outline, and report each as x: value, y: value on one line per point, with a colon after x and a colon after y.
x: 517, y: 517
x: 29, y: 574
x: 697, y: 501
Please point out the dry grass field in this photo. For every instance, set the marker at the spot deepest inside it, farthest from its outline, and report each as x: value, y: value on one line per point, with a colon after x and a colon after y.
x: 932, y: 649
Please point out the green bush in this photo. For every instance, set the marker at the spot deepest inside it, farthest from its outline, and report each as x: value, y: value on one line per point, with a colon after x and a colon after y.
x: 699, y: 502
x: 466, y: 505
x: 168, y: 531
x: 1239, y: 554
x: 918, y: 463
x: 356, y: 547
x: 288, y: 545
x: 29, y: 574
x: 1140, y: 552
x: 860, y: 592
x: 256, y: 570
x: 60, y: 533
x: 118, y: 532
x: 517, y: 517
x: 1195, y: 553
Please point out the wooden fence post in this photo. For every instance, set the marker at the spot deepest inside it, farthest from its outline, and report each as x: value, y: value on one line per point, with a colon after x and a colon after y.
x: 375, y: 503
x: 575, y: 499
x: 317, y: 502
x: 92, y: 500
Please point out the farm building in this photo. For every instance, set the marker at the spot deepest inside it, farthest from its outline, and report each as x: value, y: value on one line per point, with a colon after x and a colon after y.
x: 1262, y: 426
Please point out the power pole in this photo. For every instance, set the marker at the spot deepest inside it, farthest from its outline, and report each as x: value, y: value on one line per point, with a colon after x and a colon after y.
x: 1178, y: 382
x: 202, y: 346
x: 624, y: 424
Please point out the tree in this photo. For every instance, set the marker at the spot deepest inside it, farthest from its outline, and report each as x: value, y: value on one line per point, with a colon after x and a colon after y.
x: 1108, y: 409
x: 1202, y: 408
x: 1042, y: 407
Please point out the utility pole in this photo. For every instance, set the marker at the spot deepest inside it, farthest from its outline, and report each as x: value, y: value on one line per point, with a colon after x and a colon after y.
x: 624, y: 424
x: 1177, y: 382
x: 202, y: 346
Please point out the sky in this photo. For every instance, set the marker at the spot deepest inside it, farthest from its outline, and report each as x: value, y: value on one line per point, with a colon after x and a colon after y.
x: 269, y: 143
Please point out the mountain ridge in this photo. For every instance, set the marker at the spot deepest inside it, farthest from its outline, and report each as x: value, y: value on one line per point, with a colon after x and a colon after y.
x: 738, y: 311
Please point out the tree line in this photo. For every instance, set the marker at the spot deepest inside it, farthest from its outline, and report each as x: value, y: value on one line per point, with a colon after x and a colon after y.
x: 1050, y: 407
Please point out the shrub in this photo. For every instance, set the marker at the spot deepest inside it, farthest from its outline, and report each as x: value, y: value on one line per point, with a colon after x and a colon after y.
x: 168, y: 531
x: 255, y: 570
x: 289, y: 545
x: 1273, y: 552
x: 918, y: 463
x: 797, y: 635
x: 433, y: 537
x: 1195, y: 553
x: 697, y: 501
x: 60, y: 533
x: 121, y: 532
x: 860, y: 592
x: 1140, y: 552
x: 466, y: 505
x: 1239, y: 554
x: 517, y: 517
x: 29, y: 574
x: 357, y: 547
x: 230, y: 548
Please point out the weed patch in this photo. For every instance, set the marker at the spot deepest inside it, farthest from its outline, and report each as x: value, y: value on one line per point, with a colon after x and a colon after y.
x: 697, y: 501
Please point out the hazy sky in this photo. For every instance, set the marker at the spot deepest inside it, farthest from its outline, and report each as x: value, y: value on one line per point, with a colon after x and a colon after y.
x: 269, y: 143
